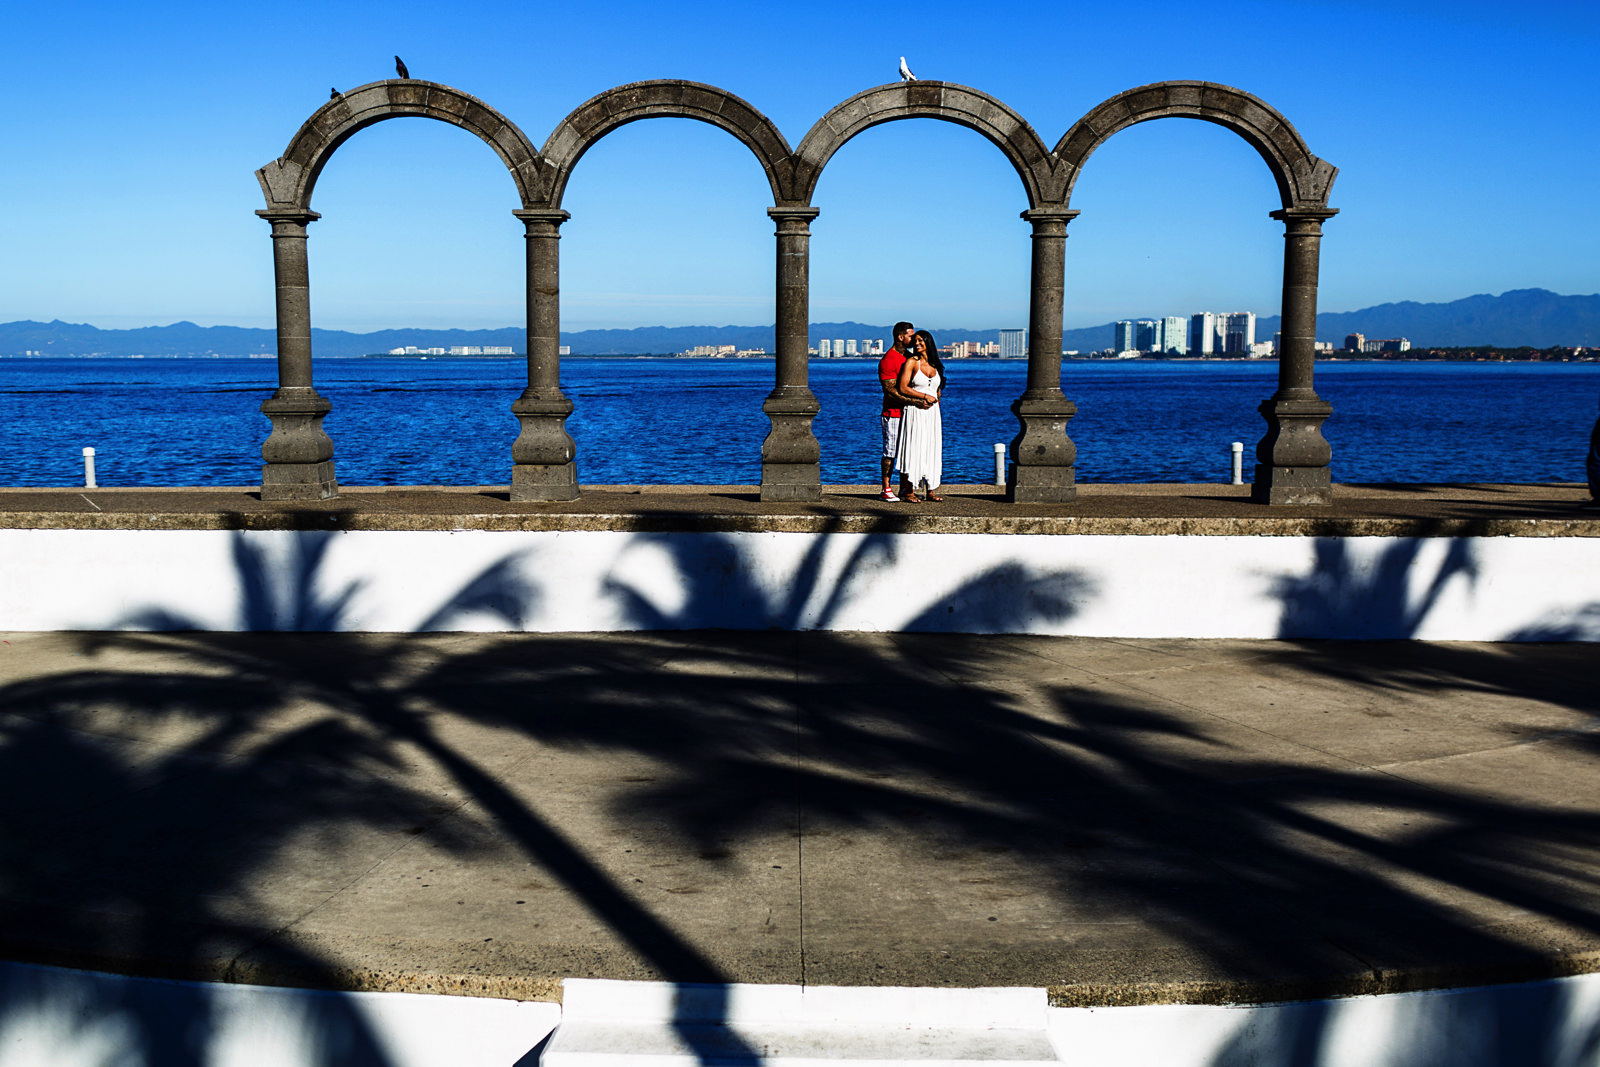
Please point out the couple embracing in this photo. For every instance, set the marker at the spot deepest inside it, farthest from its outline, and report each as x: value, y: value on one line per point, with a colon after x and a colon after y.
x: 913, y: 379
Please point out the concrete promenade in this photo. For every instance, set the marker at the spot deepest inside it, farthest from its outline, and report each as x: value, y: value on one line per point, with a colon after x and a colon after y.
x: 1121, y: 821
x: 1208, y: 509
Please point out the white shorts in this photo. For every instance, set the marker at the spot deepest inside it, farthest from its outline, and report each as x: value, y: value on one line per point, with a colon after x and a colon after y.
x: 891, y: 436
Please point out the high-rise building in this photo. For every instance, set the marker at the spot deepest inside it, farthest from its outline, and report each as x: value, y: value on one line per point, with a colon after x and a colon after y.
x: 1238, y: 331
x: 1354, y: 342
x: 1123, y: 336
x: 1174, y: 336
x: 838, y: 348
x: 850, y: 346
x: 1144, y: 335
x: 1013, y: 344
x: 1202, y: 334
x: 825, y: 349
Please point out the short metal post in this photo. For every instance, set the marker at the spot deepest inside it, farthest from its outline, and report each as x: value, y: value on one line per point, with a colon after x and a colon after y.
x: 1238, y: 463
x: 999, y: 463
x: 88, y: 469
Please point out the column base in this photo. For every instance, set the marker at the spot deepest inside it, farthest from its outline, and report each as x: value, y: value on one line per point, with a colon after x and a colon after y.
x: 299, y: 481
x: 791, y: 481
x: 1292, y: 486
x: 540, y: 481
x: 1041, y: 485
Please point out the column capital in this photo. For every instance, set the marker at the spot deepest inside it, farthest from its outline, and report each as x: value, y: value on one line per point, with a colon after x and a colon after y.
x: 793, y: 212
x: 550, y: 216
x: 290, y: 217
x: 1317, y: 215
x: 1049, y: 213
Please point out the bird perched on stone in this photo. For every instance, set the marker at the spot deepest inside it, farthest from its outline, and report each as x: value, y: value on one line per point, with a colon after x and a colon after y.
x: 905, y: 71
x: 334, y: 94
x: 400, y: 67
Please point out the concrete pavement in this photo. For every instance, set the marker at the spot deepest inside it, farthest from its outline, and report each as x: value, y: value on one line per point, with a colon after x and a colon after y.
x: 1120, y: 821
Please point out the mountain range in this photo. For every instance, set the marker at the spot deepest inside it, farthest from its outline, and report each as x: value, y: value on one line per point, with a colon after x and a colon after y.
x: 1535, y: 317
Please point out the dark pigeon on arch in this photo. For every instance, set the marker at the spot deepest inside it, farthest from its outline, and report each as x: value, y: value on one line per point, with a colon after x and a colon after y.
x: 400, y: 68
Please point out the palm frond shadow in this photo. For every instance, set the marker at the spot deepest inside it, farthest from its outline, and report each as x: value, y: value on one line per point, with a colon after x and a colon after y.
x: 717, y: 576
x: 948, y: 746
x: 1343, y: 597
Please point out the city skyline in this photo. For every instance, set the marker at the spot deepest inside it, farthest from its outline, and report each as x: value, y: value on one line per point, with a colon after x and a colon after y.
x: 138, y: 177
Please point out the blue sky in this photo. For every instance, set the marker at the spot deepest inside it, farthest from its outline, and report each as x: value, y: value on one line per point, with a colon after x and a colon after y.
x: 1465, y: 134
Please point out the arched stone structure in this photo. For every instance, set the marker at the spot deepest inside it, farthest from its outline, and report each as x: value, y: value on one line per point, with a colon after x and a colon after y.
x: 666, y: 98
x: 791, y: 458
x: 298, y: 453
x: 1303, y: 180
x: 1043, y: 455
x: 964, y: 106
x: 1292, y: 458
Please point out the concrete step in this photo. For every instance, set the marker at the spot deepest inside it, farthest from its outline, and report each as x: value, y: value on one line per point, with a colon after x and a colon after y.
x: 606, y: 1023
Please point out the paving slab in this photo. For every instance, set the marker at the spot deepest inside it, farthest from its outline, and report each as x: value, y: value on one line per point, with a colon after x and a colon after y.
x: 1119, y: 821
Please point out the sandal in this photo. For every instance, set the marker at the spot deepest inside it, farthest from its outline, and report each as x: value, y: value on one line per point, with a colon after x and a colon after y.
x: 912, y: 498
x: 936, y: 498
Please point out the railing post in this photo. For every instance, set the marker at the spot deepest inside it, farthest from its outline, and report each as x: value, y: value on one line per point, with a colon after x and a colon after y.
x: 1043, y: 457
x: 1292, y: 458
x: 298, y: 452
x: 791, y: 458
x: 543, y: 456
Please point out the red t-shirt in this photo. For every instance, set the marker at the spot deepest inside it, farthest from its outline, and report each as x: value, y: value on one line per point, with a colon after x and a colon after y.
x: 889, y: 371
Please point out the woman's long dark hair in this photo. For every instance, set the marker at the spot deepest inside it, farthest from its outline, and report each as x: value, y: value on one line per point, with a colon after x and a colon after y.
x: 933, y: 355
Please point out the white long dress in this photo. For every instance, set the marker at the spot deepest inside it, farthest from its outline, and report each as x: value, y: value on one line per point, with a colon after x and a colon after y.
x: 921, y: 454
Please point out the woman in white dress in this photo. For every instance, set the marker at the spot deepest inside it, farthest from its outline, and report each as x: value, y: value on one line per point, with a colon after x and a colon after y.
x: 921, y: 455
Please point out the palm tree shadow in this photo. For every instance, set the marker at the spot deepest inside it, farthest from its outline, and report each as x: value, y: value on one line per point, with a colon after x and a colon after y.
x: 1344, y: 597
x: 134, y: 856
x: 1097, y: 796
x: 716, y: 576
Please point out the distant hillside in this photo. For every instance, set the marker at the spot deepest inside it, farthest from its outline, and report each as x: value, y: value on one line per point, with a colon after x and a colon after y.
x: 1534, y: 317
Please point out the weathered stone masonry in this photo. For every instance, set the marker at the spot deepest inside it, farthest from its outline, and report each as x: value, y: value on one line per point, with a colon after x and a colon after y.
x: 1292, y: 458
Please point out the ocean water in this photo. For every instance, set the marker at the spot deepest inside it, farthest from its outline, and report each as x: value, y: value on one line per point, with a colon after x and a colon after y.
x: 447, y: 421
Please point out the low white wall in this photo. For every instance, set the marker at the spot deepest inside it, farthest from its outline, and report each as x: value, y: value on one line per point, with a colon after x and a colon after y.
x: 1535, y: 1024
x: 1501, y: 588
x: 53, y: 1017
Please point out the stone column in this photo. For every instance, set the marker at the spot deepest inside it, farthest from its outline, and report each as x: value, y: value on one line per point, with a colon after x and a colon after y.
x: 298, y: 453
x: 1042, y: 455
x: 542, y: 456
x: 791, y: 458
x: 1292, y: 459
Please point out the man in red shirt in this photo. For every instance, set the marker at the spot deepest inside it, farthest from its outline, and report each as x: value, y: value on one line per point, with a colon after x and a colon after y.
x: 893, y: 402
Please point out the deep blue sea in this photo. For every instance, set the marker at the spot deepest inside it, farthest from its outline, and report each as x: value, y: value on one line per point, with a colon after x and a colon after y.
x: 447, y: 421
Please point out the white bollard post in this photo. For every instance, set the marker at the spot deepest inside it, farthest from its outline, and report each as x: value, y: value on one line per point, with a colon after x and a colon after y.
x: 1238, y: 463
x: 88, y: 469
x: 999, y: 463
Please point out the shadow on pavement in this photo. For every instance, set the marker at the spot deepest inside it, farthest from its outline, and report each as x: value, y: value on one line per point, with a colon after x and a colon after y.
x: 143, y: 855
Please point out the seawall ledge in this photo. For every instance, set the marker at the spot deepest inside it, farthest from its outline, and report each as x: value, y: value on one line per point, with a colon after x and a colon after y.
x: 1192, y: 510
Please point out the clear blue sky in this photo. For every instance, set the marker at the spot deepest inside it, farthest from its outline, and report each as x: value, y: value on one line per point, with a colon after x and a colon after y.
x: 1467, y: 137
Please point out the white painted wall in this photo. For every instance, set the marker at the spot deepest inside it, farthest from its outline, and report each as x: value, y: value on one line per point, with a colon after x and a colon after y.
x: 1501, y: 588
x: 1534, y: 1024
x: 53, y: 1017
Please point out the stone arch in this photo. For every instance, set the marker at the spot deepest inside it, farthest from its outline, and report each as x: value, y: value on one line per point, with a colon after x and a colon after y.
x: 288, y: 181
x: 959, y: 104
x: 1304, y: 181
x: 666, y: 98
